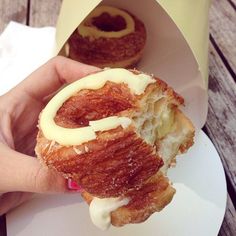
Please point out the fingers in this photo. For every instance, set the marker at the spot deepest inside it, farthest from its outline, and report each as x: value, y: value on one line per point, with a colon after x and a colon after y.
x: 52, y: 75
x: 5, y: 128
x: 20, y: 172
x: 9, y: 201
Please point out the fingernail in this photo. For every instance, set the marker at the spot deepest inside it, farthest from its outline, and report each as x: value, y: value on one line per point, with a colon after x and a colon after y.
x: 72, y: 185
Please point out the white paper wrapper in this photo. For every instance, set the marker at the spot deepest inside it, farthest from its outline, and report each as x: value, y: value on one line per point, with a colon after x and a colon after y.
x: 167, y: 54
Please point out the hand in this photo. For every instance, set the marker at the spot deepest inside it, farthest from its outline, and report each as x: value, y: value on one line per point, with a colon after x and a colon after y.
x: 20, y: 173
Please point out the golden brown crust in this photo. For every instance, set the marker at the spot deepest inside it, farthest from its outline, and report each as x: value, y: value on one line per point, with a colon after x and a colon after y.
x: 154, y: 195
x: 184, y: 121
x: 104, y: 102
x: 112, y: 164
x: 119, y: 162
x: 112, y: 99
x: 115, y: 159
x: 103, y: 52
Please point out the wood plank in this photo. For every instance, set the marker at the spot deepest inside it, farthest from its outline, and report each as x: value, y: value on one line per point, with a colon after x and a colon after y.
x: 221, y: 118
x: 228, y: 227
x: 44, y: 13
x: 223, y: 30
x: 3, y: 229
x: 233, y: 3
x: 12, y: 11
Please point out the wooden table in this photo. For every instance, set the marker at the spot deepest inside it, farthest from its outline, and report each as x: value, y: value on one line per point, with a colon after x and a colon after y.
x: 221, y: 120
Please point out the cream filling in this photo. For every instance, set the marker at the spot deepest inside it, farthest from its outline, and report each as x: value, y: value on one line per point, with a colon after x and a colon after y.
x: 92, y: 31
x: 110, y: 123
x: 75, y: 136
x: 100, y: 210
x: 170, y: 145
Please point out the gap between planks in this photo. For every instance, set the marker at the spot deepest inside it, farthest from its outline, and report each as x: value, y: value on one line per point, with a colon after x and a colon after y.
x: 224, y: 59
x: 28, y: 13
x: 232, y: 3
x: 228, y: 227
x: 3, y: 228
x: 43, y: 13
x: 222, y: 20
x: 221, y: 119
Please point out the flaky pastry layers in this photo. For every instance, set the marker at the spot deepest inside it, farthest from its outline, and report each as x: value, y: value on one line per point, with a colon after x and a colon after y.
x: 108, y: 37
x: 127, y: 161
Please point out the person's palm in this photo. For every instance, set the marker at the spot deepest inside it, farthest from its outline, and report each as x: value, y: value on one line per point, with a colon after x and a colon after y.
x: 19, y: 112
x: 24, y: 127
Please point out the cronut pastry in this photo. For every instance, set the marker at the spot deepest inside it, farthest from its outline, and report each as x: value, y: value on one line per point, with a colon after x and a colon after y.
x: 108, y: 37
x: 128, y: 160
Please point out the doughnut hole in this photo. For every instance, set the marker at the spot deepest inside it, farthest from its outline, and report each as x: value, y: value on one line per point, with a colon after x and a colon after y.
x: 106, y: 22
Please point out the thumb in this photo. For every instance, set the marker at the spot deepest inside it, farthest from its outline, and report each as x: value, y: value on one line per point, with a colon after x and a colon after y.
x: 19, y: 172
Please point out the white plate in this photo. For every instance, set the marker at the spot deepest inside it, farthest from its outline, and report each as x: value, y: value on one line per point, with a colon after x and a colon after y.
x: 197, y: 209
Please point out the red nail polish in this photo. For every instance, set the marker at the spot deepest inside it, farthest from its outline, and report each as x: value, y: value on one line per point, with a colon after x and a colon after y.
x: 73, y: 185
